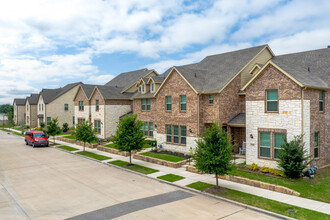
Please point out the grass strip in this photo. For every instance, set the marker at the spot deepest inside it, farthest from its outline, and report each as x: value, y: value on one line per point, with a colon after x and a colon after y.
x: 70, y: 137
x: 263, y: 203
x: 163, y: 156
x: 115, y: 146
x: 317, y: 188
x: 134, y: 167
x: 64, y: 147
x: 93, y: 155
x: 171, y: 177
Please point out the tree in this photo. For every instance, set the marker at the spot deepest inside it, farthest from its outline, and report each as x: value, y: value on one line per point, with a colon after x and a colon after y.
x: 213, y: 152
x: 293, y: 158
x: 65, y: 127
x: 10, y: 115
x: 129, y: 135
x: 85, y: 132
x: 6, y: 108
x: 52, y: 128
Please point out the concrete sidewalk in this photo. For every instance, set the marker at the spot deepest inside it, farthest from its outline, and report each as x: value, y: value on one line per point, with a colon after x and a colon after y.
x: 194, y: 177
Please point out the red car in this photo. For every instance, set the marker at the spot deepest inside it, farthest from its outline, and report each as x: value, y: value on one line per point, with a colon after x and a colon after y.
x: 36, y: 138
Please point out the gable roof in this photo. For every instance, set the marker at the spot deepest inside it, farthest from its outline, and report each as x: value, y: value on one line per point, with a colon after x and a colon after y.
x: 49, y: 95
x: 214, y: 72
x: 113, y: 92
x: 19, y: 101
x: 310, y: 68
x: 128, y: 78
x: 33, y: 99
x: 88, y: 89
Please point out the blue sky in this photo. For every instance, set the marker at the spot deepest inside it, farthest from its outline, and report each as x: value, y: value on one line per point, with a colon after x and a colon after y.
x: 47, y: 44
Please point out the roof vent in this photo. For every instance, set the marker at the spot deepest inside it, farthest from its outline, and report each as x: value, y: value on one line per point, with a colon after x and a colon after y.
x: 195, y: 75
x: 309, y: 69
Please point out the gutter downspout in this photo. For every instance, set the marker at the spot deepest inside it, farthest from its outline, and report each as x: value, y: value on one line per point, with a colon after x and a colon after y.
x: 198, y: 111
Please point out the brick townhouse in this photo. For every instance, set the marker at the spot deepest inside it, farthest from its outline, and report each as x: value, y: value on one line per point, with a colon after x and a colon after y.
x: 31, y: 104
x: 82, y: 107
x: 19, y: 111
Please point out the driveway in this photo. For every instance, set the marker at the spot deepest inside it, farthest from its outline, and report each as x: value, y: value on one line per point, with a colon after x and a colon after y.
x: 46, y: 183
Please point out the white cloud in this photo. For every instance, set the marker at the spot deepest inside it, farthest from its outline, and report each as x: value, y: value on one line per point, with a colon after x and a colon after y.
x: 100, y: 79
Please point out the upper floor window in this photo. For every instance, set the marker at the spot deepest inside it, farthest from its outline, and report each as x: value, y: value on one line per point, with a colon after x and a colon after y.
x: 321, y: 101
x: 81, y: 105
x: 152, y: 86
x: 145, y: 104
x: 42, y: 107
x: 316, y: 144
x: 139, y: 88
x: 97, y: 106
x: 168, y: 103
x: 148, y: 105
x: 271, y: 101
x: 66, y: 107
x: 211, y: 99
x: 39, y: 107
x: 142, y: 87
x: 183, y: 103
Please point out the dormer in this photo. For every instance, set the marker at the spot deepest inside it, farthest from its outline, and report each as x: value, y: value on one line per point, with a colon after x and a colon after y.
x: 143, y: 86
x: 154, y: 82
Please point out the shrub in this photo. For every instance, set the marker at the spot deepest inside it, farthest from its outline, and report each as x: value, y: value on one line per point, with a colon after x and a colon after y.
x: 265, y: 169
x: 151, y: 142
x: 27, y: 127
x: 253, y: 167
x: 42, y: 125
x: 65, y: 127
x: 38, y: 128
x: 293, y: 157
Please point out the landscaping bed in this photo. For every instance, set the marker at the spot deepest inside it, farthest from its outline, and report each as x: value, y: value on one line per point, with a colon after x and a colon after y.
x: 134, y: 167
x: 161, y: 158
x: 260, y: 202
x: 113, y: 149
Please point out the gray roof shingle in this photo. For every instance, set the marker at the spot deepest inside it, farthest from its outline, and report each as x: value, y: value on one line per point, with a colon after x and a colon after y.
x: 238, y: 120
x: 310, y: 68
x: 128, y: 78
x: 113, y: 92
x: 33, y: 99
x: 88, y: 89
x: 19, y: 101
x: 49, y: 95
x: 214, y: 72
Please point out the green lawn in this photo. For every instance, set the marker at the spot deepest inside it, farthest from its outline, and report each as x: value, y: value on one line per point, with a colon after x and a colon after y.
x: 93, y: 155
x: 64, y: 147
x: 317, y: 188
x: 52, y: 144
x: 164, y: 156
x: 263, y: 203
x: 74, y: 138
x: 115, y: 146
x: 171, y: 177
x: 135, y: 167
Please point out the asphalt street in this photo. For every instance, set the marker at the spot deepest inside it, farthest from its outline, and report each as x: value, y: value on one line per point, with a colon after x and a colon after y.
x: 46, y: 183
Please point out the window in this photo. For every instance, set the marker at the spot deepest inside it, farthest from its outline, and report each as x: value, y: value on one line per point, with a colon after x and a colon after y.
x: 81, y: 120
x: 97, y: 105
x: 272, y: 100
x: 139, y: 88
x: 142, y: 87
x: 97, y: 126
x: 48, y: 119
x: 278, y: 142
x: 152, y: 86
x: 321, y: 101
x: 183, y: 103
x: 168, y: 133
x: 151, y: 129
x: 183, y: 134
x: 145, y: 129
x: 265, y: 144
x: 81, y: 105
x: 66, y: 107
x: 73, y: 120
x: 168, y: 103
x: 27, y: 119
x: 42, y: 107
x: 143, y: 104
x: 148, y: 105
x: 27, y: 108
x: 39, y: 107
x: 270, y: 143
x: 316, y: 144
x: 176, y: 136
x: 211, y: 99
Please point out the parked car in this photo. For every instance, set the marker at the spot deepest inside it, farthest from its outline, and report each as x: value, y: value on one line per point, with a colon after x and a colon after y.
x: 36, y: 138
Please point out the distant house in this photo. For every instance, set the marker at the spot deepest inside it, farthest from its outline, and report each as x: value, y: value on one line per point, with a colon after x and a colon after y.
x: 3, y: 119
x: 31, y: 110
x: 19, y: 111
x: 57, y: 103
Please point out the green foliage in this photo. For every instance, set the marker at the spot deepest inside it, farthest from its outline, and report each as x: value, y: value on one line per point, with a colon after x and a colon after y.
x: 6, y: 108
x: 213, y: 152
x: 129, y: 135
x: 253, y: 167
x: 152, y: 143
x: 37, y: 128
x: 135, y: 167
x: 272, y: 171
x: 42, y: 125
x: 85, y: 132
x: 171, y: 177
x: 292, y: 157
x: 52, y: 128
x: 65, y: 127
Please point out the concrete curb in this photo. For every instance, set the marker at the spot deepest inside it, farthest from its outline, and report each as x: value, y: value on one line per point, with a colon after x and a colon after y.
x: 272, y: 214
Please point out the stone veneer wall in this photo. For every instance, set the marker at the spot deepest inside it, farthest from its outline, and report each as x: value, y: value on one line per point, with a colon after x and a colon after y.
x: 99, y: 115
x: 288, y: 117
x: 161, y: 139
x: 112, y: 114
x: 81, y: 114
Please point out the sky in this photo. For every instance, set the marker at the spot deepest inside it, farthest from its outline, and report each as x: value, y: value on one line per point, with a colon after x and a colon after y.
x: 50, y: 43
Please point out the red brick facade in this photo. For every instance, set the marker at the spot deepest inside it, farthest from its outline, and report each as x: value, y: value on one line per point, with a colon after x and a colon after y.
x: 81, y: 97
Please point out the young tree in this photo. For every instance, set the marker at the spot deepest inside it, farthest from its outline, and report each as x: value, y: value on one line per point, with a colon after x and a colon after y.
x: 293, y: 157
x: 213, y: 152
x: 129, y: 135
x: 52, y: 128
x: 85, y: 132
x: 65, y: 127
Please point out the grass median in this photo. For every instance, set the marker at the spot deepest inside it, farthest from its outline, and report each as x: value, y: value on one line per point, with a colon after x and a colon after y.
x: 93, y: 155
x: 260, y: 202
x: 134, y: 167
x: 64, y: 147
x: 171, y: 177
x: 163, y: 156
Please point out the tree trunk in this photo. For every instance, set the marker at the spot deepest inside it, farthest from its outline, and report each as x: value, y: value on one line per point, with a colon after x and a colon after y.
x: 54, y: 139
x: 130, y: 159
x: 216, y: 179
x: 84, y: 146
